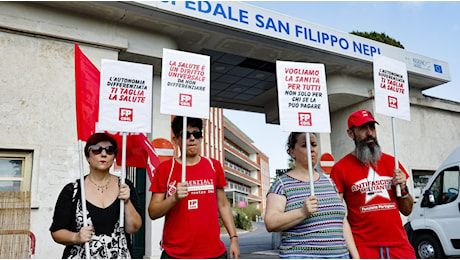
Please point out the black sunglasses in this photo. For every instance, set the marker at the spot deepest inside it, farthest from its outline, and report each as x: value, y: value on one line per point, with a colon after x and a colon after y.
x: 197, y: 134
x: 98, y: 149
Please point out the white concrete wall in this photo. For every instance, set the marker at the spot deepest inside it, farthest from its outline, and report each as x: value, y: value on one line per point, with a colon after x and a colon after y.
x: 38, y: 107
x: 422, y: 143
x: 38, y: 100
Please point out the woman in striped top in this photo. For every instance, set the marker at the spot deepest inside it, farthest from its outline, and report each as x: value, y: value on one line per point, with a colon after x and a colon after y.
x: 310, y: 226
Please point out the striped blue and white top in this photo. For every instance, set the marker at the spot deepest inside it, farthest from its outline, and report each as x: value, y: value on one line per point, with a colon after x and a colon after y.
x: 319, y: 235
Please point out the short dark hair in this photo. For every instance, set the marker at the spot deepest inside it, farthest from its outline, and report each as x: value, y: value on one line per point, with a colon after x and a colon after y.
x: 177, y: 122
x: 100, y: 137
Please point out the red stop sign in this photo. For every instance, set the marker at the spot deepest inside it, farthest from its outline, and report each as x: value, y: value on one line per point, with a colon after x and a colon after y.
x: 326, y: 162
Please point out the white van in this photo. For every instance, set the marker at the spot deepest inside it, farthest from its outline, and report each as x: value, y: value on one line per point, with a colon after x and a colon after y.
x: 433, y: 227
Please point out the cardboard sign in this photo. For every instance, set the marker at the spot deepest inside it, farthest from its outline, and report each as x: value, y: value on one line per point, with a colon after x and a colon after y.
x: 125, y: 101
x: 302, y: 96
x: 391, y: 88
x: 185, y: 84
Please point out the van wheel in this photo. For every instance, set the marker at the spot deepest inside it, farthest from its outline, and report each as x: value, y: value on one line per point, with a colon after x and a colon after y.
x: 428, y: 247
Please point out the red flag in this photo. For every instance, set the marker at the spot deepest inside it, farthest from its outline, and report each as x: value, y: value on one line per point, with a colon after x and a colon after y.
x: 139, y: 152
x: 87, y: 78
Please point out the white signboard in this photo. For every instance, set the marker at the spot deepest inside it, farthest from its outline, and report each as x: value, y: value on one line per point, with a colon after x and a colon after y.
x: 125, y: 102
x: 239, y: 16
x: 302, y: 97
x: 185, y: 84
x: 391, y: 88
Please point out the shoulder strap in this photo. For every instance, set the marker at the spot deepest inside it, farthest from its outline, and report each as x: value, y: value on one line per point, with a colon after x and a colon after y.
x: 76, y: 188
x: 327, y: 177
x: 169, y: 177
x: 279, y: 178
x: 210, y: 161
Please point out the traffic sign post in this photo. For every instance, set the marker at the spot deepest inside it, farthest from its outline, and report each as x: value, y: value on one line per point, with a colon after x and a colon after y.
x: 327, y: 162
x: 164, y: 149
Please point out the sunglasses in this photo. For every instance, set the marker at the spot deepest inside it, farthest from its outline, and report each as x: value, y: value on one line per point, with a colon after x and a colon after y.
x: 98, y: 149
x: 197, y: 134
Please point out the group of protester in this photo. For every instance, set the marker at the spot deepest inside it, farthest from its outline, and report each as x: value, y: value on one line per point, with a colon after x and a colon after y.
x: 352, y: 214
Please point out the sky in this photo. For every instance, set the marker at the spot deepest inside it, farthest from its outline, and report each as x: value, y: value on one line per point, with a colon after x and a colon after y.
x: 428, y: 28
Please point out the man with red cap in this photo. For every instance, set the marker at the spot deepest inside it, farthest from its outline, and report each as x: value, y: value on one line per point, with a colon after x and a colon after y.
x: 366, y: 180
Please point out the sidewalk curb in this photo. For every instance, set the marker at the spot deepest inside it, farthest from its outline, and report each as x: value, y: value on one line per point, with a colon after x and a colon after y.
x: 267, y: 252
x: 238, y: 232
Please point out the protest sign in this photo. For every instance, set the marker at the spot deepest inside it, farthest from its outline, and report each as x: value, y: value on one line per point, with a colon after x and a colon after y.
x: 391, y: 88
x: 302, y: 97
x: 391, y: 95
x: 125, y: 103
x: 303, y: 102
x: 185, y: 84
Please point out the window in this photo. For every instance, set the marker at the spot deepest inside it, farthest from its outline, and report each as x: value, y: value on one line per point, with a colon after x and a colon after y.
x: 420, y: 178
x: 445, y: 188
x: 15, y: 170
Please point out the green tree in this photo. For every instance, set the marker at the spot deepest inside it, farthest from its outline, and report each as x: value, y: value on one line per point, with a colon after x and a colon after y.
x: 380, y: 37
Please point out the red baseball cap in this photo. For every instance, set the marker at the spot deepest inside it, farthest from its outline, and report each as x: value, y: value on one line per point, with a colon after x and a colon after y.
x: 360, y: 118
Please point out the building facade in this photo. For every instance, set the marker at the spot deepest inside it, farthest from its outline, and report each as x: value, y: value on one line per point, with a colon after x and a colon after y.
x: 246, y: 169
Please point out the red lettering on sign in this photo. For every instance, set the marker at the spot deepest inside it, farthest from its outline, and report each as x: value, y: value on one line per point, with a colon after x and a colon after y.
x: 126, y: 114
x: 305, y: 119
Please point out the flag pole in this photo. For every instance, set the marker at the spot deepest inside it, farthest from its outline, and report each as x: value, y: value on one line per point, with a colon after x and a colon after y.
x: 122, y: 178
x: 184, y: 148
x: 310, y: 166
x: 393, y: 126
x: 83, y: 195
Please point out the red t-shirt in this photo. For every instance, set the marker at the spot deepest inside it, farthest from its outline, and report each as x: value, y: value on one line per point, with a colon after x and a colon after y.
x: 370, y: 195
x: 191, y: 227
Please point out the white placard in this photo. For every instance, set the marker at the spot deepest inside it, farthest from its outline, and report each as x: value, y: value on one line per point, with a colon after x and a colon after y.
x: 125, y: 101
x: 185, y: 84
x: 391, y: 88
x: 302, y: 97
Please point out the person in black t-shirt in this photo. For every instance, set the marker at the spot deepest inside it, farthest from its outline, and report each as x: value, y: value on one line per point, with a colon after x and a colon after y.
x: 103, y: 192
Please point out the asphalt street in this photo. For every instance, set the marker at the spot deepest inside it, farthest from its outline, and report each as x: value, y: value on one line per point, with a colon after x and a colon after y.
x: 256, y: 244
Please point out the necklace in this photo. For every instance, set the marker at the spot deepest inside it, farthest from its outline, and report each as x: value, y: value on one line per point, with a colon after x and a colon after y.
x: 100, y: 188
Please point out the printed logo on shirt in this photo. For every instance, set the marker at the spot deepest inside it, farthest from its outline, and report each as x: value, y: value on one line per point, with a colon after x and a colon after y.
x: 201, y: 186
x: 193, y: 204
x: 172, y: 188
x: 383, y: 206
x: 374, y: 185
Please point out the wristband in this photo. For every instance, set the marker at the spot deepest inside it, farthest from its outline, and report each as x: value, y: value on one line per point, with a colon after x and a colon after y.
x: 404, y: 193
x: 231, y: 237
